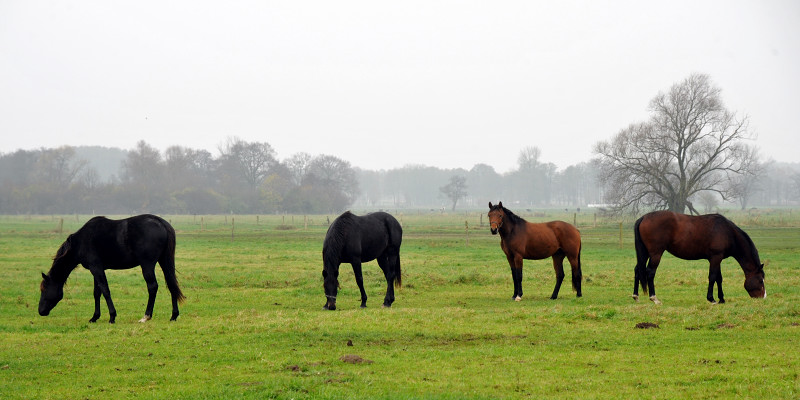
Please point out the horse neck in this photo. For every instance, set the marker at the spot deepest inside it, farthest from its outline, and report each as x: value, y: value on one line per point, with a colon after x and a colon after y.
x: 508, y: 227
x: 744, y: 253
x: 61, y: 269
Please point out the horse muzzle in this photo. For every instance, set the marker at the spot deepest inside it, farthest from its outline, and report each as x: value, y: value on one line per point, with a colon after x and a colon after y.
x: 493, y: 230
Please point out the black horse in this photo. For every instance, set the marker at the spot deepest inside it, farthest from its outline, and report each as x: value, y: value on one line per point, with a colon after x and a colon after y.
x: 108, y: 244
x: 357, y: 239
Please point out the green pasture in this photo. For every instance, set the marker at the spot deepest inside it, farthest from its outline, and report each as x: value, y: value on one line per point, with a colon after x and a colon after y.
x: 253, y: 324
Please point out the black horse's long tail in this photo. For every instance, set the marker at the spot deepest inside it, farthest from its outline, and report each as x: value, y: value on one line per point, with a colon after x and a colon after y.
x: 395, y: 239
x: 167, y: 262
x: 640, y: 271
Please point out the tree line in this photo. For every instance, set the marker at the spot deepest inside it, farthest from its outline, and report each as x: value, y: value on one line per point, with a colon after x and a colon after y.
x: 692, y: 154
x: 245, y: 178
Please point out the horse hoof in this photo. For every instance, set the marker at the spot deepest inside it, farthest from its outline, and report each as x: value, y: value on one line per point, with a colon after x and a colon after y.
x: 655, y: 300
x: 635, y: 297
x: 145, y: 319
x: 518, y: 298
x: 365, y: 306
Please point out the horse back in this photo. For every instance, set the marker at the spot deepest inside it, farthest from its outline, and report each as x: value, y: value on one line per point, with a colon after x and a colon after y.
x: 686, y: 236
x: 542, y: 240
x: 378, y: 233
x: 365, y: 238
x: 122, y: 244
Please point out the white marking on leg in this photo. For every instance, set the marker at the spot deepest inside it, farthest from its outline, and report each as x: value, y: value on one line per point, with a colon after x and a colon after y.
x: 518, y: 298
x: 635, y: 297
x: 654, y: 299
x: 145, y: 319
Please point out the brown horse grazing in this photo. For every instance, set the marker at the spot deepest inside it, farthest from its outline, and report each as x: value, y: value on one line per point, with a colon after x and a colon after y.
x: 521, y: 239
x: 710, y: 237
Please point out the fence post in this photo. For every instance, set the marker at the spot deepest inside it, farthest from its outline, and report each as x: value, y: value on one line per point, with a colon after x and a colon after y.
x: 466, y: 231
x: 232, y: 227
x: 620, y: 234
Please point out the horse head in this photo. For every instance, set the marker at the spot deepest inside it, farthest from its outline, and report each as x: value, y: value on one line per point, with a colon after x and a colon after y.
x: 496, y: 215
x: 754, y: 283
x: 331, y: 286
x: 52, y: 293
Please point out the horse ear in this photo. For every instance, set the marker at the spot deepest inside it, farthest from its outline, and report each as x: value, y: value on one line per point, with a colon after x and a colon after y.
x: 490, y: 204
x: 45, y: 277
x: 500, y: 204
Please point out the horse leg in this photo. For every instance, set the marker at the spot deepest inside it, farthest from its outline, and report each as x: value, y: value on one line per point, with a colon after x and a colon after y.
x: 96, y: 301
x: 558, y: 265
x: 360, y: 281
x: 714, y: 276
x: 101, y: 284
x: 652, y: 266
x: 386, y: 262
x: 516, y: 275
x: 148, y: 271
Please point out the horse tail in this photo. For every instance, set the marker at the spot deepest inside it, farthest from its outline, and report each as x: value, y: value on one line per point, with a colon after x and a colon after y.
x: 640, y: 271
x: 167, y: 262
x: 577, y: 274
x: 395, y: 232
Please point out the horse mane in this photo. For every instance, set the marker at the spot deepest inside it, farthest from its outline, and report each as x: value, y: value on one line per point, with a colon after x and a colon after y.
x: 513, y: 218
x: 61, y: 254
x: 336, y: 236
x: 753, y: 250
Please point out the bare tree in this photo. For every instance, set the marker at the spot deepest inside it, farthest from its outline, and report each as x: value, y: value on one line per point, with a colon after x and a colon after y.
x: 58, y: 167
x: 455, y: 190
x: 691, y: 143
x: 252, y: 160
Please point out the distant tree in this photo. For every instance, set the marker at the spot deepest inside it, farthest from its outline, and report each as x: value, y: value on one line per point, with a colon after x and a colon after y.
x: 528, y: 158
x: 187, y: 167
x: 455, y: 190
x: 335, y: 180
x: 58, y: 167
x: 250, y: 160
x: 744, y: 186
x: 143, y: 172
x: 297, y: 165
x: 691, y: 143
x: 485, y: 184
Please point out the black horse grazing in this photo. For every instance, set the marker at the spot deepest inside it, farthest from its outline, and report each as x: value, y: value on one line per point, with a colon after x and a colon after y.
x: 711, y: 237
x: 355, y: 240
x: 108, y: 244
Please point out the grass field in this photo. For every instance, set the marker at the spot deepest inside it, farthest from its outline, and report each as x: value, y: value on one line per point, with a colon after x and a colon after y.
x: 253, y: 324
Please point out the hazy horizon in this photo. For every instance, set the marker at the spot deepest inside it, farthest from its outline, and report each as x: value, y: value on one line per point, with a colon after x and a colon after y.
x: 383, y: 85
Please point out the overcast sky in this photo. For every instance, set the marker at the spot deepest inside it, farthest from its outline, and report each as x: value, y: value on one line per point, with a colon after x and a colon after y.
x: 385, y: 84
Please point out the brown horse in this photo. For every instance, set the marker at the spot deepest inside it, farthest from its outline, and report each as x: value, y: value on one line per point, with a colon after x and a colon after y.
x: 710, y: 237
x: 521, y: 239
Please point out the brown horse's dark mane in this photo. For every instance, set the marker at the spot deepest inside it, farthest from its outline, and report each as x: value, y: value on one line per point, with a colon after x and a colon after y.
x: 513, y: 218
x: 748, y: 241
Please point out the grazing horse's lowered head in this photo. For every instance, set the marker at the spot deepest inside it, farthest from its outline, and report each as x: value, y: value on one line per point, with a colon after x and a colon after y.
x: 51, y: 294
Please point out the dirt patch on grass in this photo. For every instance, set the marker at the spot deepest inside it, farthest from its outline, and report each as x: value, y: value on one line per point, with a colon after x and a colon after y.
x: 646, y: 325
x: 354, y: 359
